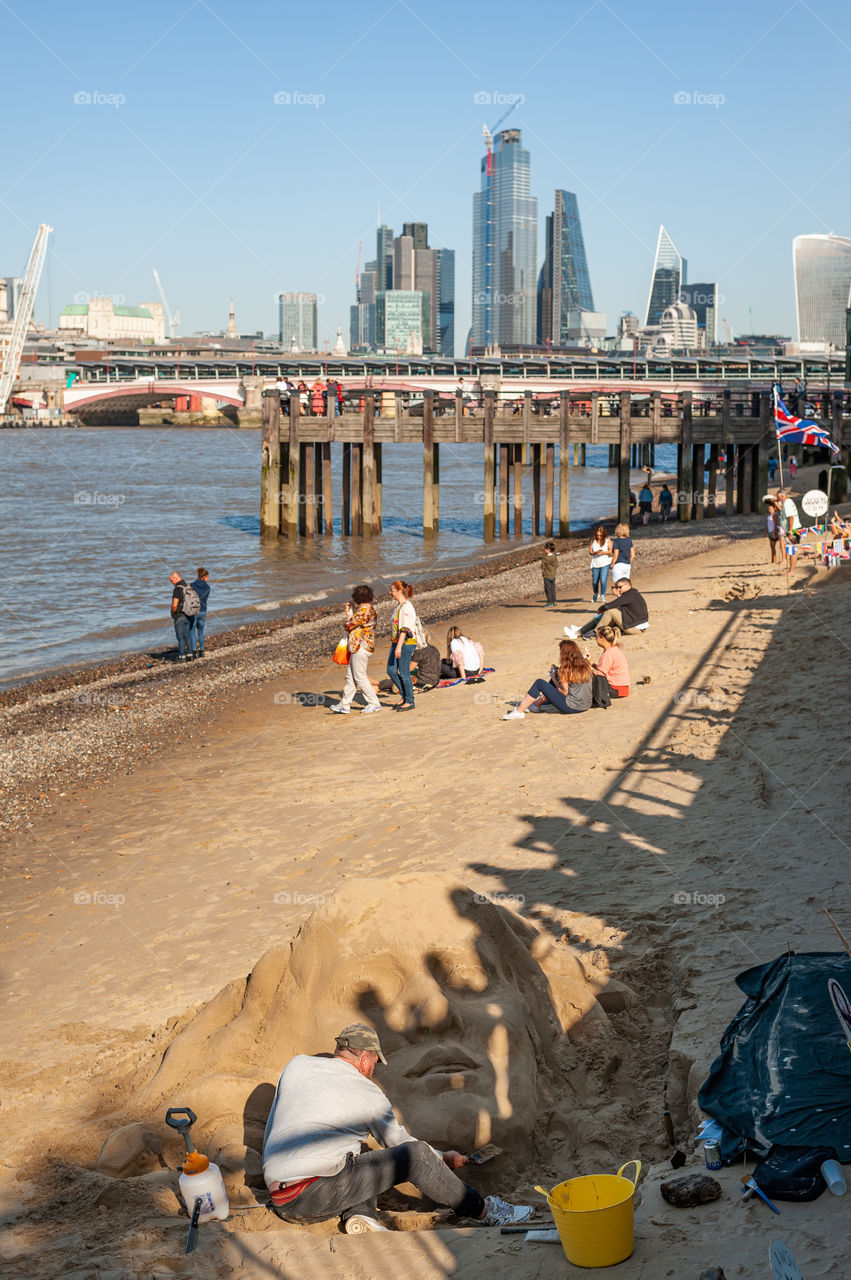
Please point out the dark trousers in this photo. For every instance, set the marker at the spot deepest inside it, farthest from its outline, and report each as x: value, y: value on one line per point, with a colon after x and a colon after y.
x: 553, y: 695
x: 363, y: 1178
x: 181, y: 630
x: 550, y: 589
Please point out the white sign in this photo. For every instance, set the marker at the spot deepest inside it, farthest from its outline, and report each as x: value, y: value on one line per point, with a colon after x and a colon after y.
x: 815, y: 502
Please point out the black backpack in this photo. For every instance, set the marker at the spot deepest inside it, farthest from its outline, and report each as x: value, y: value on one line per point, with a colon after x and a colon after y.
x: 600, y: 696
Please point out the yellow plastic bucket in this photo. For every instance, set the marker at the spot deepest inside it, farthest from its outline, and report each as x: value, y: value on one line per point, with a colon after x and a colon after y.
x: 594, y: 1216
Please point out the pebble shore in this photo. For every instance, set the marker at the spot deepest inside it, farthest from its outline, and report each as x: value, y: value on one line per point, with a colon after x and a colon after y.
x: 75, y: 730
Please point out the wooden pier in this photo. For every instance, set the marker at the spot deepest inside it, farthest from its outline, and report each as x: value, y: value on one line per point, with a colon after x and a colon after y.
x: 296, y: 490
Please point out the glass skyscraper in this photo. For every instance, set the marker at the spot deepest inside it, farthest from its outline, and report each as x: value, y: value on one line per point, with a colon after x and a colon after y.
x: 822, y: 287
x: 402, y: 320
x: 669, y: 276
x: 297, y: 320
x: 564, y: 285
x: 446, y: 301
x: 703, y: 300
x: 505, y: 247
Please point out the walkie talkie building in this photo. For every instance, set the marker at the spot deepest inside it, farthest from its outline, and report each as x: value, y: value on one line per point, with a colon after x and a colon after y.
x: 822, y: 267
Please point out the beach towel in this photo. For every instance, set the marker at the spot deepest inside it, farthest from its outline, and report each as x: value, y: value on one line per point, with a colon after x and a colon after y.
x: 448, y: 684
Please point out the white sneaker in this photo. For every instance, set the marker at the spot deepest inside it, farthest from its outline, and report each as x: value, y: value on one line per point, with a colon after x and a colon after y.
x: 572, y: 633
x: 514, y: 714
x: 499, y: 1213
x: 359, y: 1223
x: 367, y: 709
x: 340, y: 709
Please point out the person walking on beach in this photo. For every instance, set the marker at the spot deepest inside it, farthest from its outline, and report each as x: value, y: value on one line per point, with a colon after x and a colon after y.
x: 645, y: 502
x: 360, y: 626
x: 600, y: 552
x: 568, y: 689
x: 404, y: 643
x: 549, y: 570
x: 623, y: 553
x: 184, y: 605
x: 314, y: 1163
x: 666, y: 501
x: 629, y: 614
x: 201, y: 587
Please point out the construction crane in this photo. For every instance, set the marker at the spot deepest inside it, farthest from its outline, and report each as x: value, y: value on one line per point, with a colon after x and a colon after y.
x: 487, y: 134
x: 23, y: 315
x: 727, y: 332
x: 357, y: 272
x: 173, y: 320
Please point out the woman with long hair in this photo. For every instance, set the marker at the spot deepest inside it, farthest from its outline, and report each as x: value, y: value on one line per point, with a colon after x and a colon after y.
x: 612, y: 662
x: 464, y: 657
x: 600, y: 552
x: 360, y: 629
x: 568, y: 688
x: 404, y: 643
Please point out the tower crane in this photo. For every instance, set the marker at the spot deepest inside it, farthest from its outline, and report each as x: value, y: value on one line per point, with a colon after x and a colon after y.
x: 487, y: 134
x: 23, y: 314
x: 173, y: 320
x: 727, y: 332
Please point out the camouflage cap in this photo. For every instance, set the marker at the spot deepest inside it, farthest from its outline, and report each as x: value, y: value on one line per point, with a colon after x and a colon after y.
x: 360, y: 1039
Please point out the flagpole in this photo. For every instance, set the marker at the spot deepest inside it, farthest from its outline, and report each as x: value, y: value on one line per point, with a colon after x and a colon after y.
x: 776, y: 441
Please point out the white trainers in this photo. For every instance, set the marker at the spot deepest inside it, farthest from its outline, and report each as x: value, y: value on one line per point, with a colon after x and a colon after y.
x: 359, y: 1223
x: 499, y: 1213
x: 514, y: 714
x: 572, y: 633
x: 340, y: 709
x: 367, y: 709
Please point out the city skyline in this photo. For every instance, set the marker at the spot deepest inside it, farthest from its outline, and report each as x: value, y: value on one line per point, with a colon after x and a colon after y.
x: 671, y: 126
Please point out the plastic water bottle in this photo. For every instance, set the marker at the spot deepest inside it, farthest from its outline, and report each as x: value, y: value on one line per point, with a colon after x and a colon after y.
x: 832, y: 1173
x: 201, y: 1178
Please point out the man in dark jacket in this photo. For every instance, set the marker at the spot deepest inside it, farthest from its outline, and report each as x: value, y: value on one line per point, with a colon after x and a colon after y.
x: 179, y: 618
x: 628, y: 614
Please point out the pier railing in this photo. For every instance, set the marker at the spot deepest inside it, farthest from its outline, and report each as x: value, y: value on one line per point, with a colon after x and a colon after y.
x: 515, y: 433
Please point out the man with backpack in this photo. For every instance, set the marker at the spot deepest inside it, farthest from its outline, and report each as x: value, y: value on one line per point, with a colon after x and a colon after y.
x: 185, y: 604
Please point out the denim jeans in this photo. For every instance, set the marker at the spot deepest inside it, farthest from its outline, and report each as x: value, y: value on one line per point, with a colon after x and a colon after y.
x: 181, y: 630
x: 399, y: 671
x: 554, y: 696
x: 355, y: 1188
x: 550, y: 590
x: 599, y: 580
x: 196, y: 628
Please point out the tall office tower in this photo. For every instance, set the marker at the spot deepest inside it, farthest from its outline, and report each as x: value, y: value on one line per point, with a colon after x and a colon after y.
x: 669, y: 276
x: 368, y: 284
x: 418, y: 231
x: 426, y: 281
x: 822, y: 267
x: 403, y: 263
x: 703, y: 300
x: 505, y: 247
x: 298, y: 321
x: 446, y: 301
x: 401, y: 320
x: 384, y: 257
x: 10, y: 295
x: 564, y: 286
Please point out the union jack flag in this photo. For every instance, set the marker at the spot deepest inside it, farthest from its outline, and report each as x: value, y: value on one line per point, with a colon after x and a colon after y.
x: 794, y: 430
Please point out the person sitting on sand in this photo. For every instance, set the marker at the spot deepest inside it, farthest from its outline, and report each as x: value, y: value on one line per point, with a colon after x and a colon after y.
x: 425, y: 666
x: 464, y: 659
x: 568, y: 688
x: 629, y: 614
x: 840, y: 528
x: 324, y: 1110
x: 612, y: 663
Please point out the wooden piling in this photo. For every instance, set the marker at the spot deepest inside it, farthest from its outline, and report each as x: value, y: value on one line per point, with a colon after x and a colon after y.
x: 377, y: 511
x: 503, y: 490
x: 327, y: 491
x: 357, y: 489
x: 685, y: 480
x: 711, y: 502
x: 536, y: 489
x: 698, y: 464
x: 428, y: 461
x: 488, y: 492
x: 293, y: 469
x: 318, y: 494
x: 624, y: 452
x: 518, y: 491
x: 368, y: 466
x: 270, y: 475
x: 435, y: 468
x: 767, y: 437
x: 346, y: 507
x: 549, y: 489
x: 564, y: 466
x: 595, y: 417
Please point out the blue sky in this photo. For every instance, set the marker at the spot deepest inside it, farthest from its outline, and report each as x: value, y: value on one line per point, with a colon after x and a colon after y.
x: 182, y: 159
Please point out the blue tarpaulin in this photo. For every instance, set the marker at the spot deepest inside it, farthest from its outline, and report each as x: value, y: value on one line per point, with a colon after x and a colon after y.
x: 784, y: 1072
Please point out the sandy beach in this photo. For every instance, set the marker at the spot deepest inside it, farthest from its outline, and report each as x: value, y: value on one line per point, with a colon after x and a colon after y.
x: 167, y: 828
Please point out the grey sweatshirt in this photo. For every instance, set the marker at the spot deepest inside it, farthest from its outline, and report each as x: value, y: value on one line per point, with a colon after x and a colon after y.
x: 323, y: 1110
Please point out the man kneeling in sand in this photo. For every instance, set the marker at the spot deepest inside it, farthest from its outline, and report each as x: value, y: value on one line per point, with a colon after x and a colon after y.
x: 627, y: 616
x: 324, y: 1110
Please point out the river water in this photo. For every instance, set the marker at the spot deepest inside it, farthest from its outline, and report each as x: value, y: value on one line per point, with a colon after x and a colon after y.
x: 93, y: 520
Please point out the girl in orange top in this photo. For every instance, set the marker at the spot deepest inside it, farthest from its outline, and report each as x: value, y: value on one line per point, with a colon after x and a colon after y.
x: 612, y: 663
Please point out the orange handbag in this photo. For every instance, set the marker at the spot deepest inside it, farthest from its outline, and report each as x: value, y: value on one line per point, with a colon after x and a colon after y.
x: 341, y: 653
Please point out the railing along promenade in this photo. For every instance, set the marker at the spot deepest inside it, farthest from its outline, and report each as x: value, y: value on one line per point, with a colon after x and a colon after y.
x: 296, y: 485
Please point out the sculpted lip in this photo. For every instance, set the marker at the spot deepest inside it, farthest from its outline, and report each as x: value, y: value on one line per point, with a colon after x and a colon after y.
x: 441, y: 1059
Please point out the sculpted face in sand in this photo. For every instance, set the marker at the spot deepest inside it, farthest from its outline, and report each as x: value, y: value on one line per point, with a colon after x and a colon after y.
x: 465, y: 1012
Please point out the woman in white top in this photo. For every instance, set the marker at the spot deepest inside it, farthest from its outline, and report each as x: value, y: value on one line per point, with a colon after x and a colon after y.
x: 464, y: 657
x: 404, y: 643
x: 600, y: 552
